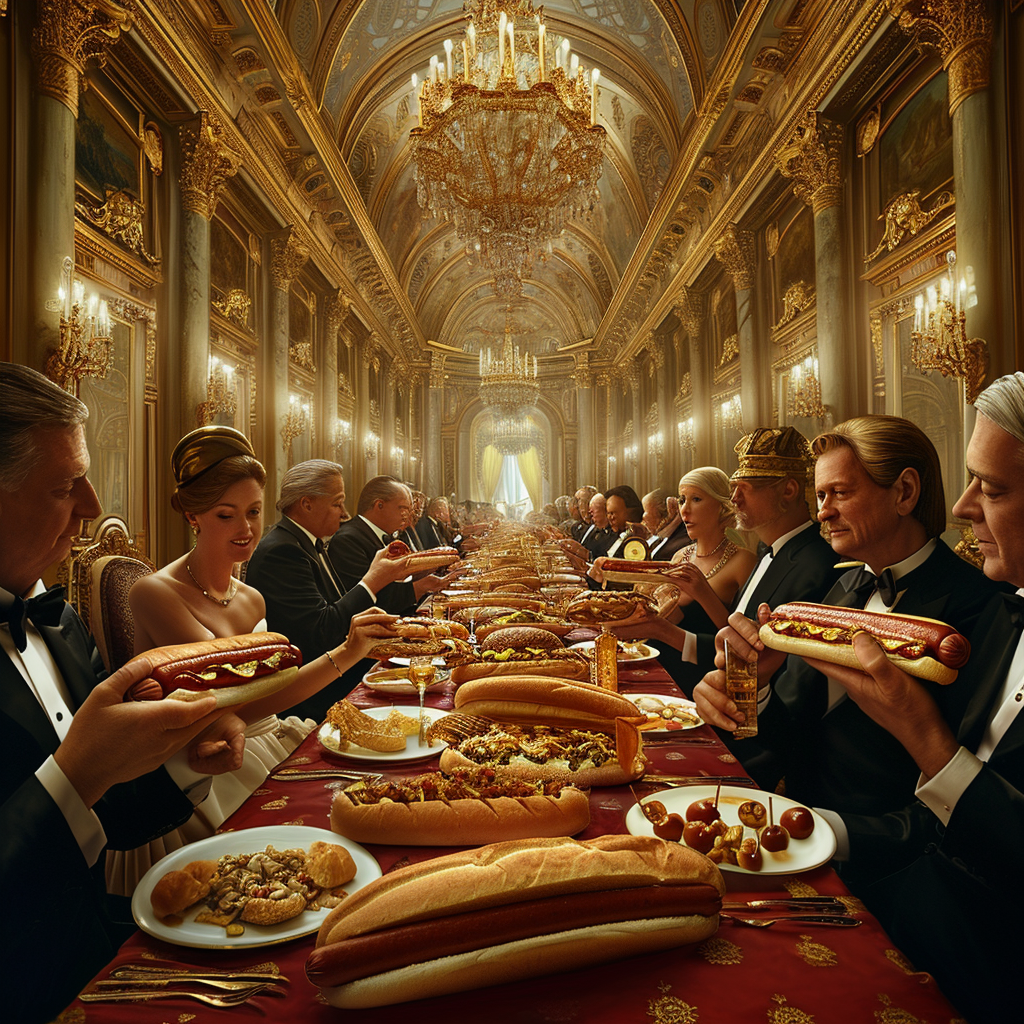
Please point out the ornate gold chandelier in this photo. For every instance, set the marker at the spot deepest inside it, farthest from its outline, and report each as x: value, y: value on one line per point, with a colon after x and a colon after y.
x: 507, y: 149
x: 513, y: 435
x: 508, y: 381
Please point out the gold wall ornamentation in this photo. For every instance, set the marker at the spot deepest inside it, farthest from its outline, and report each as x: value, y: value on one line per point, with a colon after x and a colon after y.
x: 867, y: 131
x: 904, y: 216
x: 771, y: 240
x: 437, y: 374
x: 287, y: 258
x: 813, y: 160
x: 66, y: 36
x: 730, y: 350
x: 120, y: 218
x: 735, y: 251
x: 301, y: 353
x: 685, y: 386
x: 582, y: 375
x: 153, y: 147
x: 207, y: 164
x: 338, y: 307
x: 959, y: 32
x: 799, y: 298
x: 691, y: 309
x: 235, y: 306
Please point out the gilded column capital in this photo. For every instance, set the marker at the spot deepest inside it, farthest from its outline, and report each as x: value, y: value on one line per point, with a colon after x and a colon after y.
x: 437, y: 369
x: 207, y: 163
x: 812, y: 158
x: 337, y: 309
x: 691, y: 309
x: 66, y: 36
x: 287, y: 258
x: 583, y: 375
x: 959, y: 32
x: 735, y: 251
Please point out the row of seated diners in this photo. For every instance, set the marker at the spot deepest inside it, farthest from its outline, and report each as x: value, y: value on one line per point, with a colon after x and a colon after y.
x: 535, y: 726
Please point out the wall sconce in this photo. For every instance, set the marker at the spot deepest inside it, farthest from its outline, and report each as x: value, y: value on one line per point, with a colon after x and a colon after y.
x: 84, y: 349
x: 220, y: 393
x: 805, y: 390
x: 656, y: 444
x: 684, y: 430
x: 397, y: 453
x: 731, y: 412
x: 939, y: 339
x: 295, y: 423
x: 371, y: 445
x: 631, y: 453
x: 342, y: 433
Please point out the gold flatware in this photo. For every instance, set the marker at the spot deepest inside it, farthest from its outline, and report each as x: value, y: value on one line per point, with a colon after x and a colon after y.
x: 656, y: 779
x: 127, y: 983
x: 228, y: 999
x: 828, y: 920
x: 151, y: 972
x: 830, y: 904
x: 303, y: 775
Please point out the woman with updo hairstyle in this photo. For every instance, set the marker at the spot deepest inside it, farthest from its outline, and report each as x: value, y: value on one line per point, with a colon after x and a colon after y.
x: 219, y: 491
x: 714, y: 567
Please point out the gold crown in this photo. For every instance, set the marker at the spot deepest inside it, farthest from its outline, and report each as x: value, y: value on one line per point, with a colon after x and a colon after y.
x: 773, y: 451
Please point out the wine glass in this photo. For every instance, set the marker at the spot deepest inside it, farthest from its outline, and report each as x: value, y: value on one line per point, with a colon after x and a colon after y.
x: 421, y: 674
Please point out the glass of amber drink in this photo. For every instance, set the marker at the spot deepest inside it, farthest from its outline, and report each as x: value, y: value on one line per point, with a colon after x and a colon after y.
x: 741, y: 686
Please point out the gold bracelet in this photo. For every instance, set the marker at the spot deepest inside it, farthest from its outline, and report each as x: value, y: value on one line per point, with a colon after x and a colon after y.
x: 327, y: 655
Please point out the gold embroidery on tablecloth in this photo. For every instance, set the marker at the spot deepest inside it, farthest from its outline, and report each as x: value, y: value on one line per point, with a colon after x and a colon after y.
x: 894, y: 956
x: 727, y: 758
x: 717, y: 950
x: 300, y: 760
x: 402, y: 862
x: 852, y: 904
x: 786, y: 1014
x: 670, y: 1010
x: 72, y: 1015
x: 184, y: 1018
x: 798, y: 887
x: 148, y: 954
x: 261, y: 792
x: 894, y: 1014
x: 267, y: 967
x: 296, y: 821
x: 815, y: 953
x: 275, y: 805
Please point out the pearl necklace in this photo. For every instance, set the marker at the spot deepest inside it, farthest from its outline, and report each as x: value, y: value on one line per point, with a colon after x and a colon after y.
x: 222, y: 601
x: 730, y: 550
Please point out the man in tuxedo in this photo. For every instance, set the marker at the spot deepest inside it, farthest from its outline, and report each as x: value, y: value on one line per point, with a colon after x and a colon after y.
x: 434, y: 527
x: 671, y: 536
x: 411, y: 534
x: 880, y: 492
x: 306, y: 600
x: 80, y: 769
x: 599, y: 536
x: 383, y: 510
x: 954, y: 859
x: 583, y: 496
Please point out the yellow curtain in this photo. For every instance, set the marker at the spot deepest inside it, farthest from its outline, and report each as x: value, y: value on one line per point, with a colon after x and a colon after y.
x: 529, y: 470
x: 491, y: 471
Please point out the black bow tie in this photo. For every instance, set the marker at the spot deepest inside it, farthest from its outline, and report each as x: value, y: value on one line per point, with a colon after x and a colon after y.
x: 764, y: 549
x: 865, y: 583
x: 44, y: 610
x: 321, y: 546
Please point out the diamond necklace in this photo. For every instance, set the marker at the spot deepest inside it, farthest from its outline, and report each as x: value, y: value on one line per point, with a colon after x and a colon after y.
x: 222, y: 601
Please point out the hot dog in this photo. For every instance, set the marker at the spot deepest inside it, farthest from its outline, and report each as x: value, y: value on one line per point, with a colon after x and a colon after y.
x: 609, y: 606
x: 635, y: 566
x: 925, y: 648
x: 467, y: 808
x: 431, y: 559
x: 564, y: 664
x: 235, y: 669
x: 418, y: 635
x: 510, y: 911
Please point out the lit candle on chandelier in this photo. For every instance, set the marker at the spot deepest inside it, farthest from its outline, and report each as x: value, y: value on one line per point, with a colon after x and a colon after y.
x: 564, y: 48
x: 416, y: 97
x: 471, y: 34
x: 465, y: 61
x: 502, y: 26
x: 594, y: 77
x: 512, y: 45
x: 433, y: 69
x: 574, y: 66
x: 918, y: 313
x: 540, y: 48
x: 449, y: 66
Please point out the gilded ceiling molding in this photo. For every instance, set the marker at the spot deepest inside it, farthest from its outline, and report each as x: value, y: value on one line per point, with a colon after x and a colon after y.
x: 734, y: 249
x: 287, y: 258
x: 67, y: 35
x: 207, y: 164
x: 813, y: 160
x: 437, y: 373
x: 959, y: 32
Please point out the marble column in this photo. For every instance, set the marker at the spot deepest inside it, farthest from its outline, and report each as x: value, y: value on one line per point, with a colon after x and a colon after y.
x: 812, y: 158
x: 431, y: 454
x: 336, y: 311
x: 206, y: 165
x: 586, y: 426
x: 65, y: 37
x: 692, y: 313
x: 366, y: 453
x: 287, y: 258
x: 735, y: 251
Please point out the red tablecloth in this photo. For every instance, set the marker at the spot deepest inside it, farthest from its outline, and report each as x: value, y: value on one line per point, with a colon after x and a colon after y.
x: 786, y: 974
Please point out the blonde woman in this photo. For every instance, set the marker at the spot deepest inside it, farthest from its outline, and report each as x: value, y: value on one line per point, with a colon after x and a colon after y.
x: 219, y: 490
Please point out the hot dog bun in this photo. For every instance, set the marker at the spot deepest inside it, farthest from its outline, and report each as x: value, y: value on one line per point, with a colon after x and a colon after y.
x: 432, y: 810
x: 563, y: 664
x: 610, y: 606
x: 235, y: 669
x: 510, y: 911
x: 936, y: 650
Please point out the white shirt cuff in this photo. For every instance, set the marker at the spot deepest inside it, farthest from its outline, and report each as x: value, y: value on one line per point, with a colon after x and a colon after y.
x: 838, y: 826
x: 365, y: 586
x: 689, y: 648
x: 942, y: 791
x: 195, y: 785
x: 84, y: 823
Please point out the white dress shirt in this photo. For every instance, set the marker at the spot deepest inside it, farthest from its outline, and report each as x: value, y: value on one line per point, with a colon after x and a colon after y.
x: 325, y: 564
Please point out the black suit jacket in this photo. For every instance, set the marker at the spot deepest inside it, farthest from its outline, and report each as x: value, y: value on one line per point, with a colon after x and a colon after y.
x: 676, y: 541
x: 54, y: 901
x: 843, y: 760
x: 940, y: 880
x: 431, y: 534
x: 600, y: 541
x: 302, y: 602
x: 351, y: 551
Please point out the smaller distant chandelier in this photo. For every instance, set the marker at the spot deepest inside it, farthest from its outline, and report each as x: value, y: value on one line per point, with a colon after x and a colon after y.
x: 513, y: 435
x: 508, y: 381
x: 507, y: 149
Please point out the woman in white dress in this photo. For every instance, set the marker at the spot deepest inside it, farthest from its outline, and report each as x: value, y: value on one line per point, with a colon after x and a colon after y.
x: 219, y: 491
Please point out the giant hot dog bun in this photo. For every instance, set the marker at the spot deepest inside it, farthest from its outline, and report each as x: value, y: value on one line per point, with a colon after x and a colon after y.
x: 235, y: 669
x: 925, y: 648
x: 511, y: 911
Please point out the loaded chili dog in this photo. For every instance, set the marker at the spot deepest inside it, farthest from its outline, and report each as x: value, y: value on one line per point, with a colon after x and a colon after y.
x: 510, y: 911
x: 235, y: 669
x: 469, y: 807
x: 925, y: 648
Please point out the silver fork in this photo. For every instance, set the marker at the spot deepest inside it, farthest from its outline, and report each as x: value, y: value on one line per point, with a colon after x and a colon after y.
x: 228, y: 999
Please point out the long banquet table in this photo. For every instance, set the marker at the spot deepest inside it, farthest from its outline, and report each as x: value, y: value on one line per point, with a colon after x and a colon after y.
x: 787, y: 974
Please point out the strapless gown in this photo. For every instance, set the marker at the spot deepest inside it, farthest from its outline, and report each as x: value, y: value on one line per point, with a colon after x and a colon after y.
x: 267, y: 743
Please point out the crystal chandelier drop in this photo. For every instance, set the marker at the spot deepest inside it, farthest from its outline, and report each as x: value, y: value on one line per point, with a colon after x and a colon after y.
x: 507, y: 149
x: 508, y: 380
x: 513, y: 435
